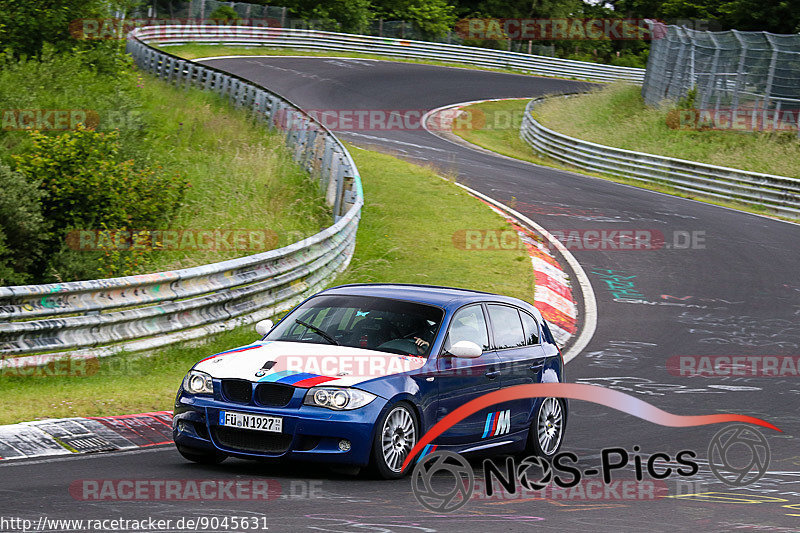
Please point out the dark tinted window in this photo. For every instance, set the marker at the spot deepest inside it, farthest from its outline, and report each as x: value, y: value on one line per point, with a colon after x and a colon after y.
x: 468, y: 324
x: 363, y: 322
x: 507, y: 326
x: 531, y: 329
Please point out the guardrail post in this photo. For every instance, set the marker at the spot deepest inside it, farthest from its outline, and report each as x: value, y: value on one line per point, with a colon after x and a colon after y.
x: 349, y: 195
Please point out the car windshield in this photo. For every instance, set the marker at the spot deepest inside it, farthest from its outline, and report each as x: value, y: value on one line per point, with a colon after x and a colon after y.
x: 381, y: 324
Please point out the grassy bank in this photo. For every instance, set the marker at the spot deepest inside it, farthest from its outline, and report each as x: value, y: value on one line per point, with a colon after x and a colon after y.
x: 405, y: 235
x: 617, y: 116
x: 241, y: 176
x: 497, y: 129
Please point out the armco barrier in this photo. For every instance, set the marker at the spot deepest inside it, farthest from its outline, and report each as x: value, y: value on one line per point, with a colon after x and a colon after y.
x: 779, y: 194
x: 102, y: 317
x: 343, y: 42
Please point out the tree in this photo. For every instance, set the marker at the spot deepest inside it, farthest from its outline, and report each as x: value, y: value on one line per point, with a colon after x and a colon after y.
x: 25, y: 25
x: 433, y: 17
x: 343, y: 15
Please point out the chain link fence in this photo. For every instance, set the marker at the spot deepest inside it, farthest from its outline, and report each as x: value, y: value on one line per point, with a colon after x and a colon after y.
x: 753, y: 74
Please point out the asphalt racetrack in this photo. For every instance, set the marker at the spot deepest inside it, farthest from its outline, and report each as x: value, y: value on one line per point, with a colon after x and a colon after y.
x: 731, y: 288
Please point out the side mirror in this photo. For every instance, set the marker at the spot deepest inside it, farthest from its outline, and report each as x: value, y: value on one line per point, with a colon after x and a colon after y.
x: 263, y: 326
x: 466, y: 349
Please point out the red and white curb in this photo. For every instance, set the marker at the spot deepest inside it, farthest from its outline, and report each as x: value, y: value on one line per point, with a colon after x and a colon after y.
x: 67, y: 436
x: 553, y: 294
x: 553, y: 291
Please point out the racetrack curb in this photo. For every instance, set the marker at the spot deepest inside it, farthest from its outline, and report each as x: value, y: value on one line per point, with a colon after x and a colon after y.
x: 68, y: 436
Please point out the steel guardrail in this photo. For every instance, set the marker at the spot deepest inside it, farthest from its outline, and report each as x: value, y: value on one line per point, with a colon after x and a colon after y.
x: 302, y: 39
x: 779, y: 194
x: 102, y: 317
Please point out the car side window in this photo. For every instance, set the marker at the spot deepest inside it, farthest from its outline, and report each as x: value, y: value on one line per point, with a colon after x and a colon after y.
x: 531, y: 328
x: 468, y: 324
x: 507, y: 326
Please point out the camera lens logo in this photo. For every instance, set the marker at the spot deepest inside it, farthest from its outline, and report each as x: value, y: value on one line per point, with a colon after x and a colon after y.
x: 455, y: 490
x: 738, y: 455
x: 524, y: 467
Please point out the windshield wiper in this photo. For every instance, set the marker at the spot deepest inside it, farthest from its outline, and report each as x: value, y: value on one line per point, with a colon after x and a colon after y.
x: 317, y: 331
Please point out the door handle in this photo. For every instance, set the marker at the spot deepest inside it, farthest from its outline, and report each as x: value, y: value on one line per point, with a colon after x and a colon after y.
x: 537, y: 366
x: 492, y: 375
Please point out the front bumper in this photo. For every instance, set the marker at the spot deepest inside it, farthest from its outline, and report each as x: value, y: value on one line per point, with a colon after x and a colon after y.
x: 309, y: 433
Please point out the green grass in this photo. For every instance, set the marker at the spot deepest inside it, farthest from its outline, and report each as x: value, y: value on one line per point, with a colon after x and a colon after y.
x: 405, y: 235
x: 242, y: 175
x: 495, y: 126
x: 505, y: 140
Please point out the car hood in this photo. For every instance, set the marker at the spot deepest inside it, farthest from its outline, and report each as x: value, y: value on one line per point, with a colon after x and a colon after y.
x: 305, y: 364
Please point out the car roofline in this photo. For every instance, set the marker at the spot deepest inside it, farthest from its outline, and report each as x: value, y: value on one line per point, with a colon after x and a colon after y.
x: 419, y: 285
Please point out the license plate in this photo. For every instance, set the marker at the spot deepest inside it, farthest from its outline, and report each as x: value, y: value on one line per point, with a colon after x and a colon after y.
x: 273, y: 424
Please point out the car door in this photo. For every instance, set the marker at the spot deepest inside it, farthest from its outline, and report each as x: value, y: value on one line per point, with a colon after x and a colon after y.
x: 464, y: 379
x: 521, y: 358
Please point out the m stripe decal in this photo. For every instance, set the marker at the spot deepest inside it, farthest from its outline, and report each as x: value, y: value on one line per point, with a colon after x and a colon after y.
x: 489, y: 425
x: 310, y: 382
x: 235, y: 350
x: 277, y: 375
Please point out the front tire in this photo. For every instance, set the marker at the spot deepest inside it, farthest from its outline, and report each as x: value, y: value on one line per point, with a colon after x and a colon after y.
x: 396, y: 434
x: 547, y: 430
x: 201, y: 457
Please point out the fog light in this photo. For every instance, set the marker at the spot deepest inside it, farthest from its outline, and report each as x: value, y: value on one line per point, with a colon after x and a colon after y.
x: 344, y: 445
x: 182, y: 426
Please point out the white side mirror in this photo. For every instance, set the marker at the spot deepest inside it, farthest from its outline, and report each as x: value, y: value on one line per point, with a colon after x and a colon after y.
x: 466, y: 349
x: 263, y: 326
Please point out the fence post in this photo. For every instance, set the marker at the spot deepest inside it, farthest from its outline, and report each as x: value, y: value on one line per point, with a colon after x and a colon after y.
x: 770, y: 78
x: 712, y: 74
x: 739, y: 70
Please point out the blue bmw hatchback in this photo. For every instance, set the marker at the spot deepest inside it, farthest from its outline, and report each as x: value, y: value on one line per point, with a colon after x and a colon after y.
x: 355, y: 375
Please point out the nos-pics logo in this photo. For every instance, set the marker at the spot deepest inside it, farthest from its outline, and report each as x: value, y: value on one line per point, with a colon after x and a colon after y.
x: 738, y: 455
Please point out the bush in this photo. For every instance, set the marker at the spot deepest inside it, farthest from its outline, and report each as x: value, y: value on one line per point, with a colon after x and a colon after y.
x: 224, y: 13
x: 23, y: 229
x: 87, y: 185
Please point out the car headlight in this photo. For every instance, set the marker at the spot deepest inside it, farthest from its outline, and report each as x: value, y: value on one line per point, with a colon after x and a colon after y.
x: 337, y: 398
x: 197, y: 382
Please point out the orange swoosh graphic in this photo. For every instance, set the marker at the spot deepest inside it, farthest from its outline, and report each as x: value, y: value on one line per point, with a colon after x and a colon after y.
x: 578, y: 391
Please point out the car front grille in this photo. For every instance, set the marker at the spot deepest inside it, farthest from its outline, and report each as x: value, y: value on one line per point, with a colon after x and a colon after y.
x: 252, y: 441
x: 237, y: 390
x: 274, y: 395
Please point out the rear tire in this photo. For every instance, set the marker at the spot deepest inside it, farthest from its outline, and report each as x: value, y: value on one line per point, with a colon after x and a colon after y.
x: 202, y: 457
x: 396, y: 433
x: 547, y: 430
